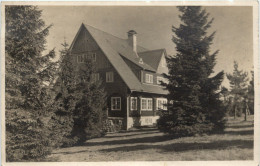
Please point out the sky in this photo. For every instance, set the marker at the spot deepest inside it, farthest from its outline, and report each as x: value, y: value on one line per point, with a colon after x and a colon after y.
x: 233, y: 26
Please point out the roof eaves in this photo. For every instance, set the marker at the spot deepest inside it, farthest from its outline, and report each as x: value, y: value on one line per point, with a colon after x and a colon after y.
x: 142, y: 66
x: 161, y: 49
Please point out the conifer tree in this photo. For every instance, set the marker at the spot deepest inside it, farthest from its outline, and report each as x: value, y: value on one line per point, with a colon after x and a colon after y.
x: 79, y: 103
x: 194, y: 106
x: 89, y: 114
x: 238, y: 83
x: 28, y: 75
x: 251, y: 93
x: 66, y: 97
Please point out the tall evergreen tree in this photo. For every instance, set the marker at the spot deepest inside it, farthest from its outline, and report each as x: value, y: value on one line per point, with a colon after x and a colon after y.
x: 66, y: 97
x: 238, y: 83
x: 28, y: 74
x: 194, y: 105
x: 79, y: 103
x: 89, y: 114
x: 251, y: 93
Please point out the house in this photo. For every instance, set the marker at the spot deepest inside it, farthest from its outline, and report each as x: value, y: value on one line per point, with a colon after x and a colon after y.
x: 130, y: 73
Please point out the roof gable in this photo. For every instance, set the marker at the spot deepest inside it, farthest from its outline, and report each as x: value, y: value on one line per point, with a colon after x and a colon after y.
x: 152, y: 57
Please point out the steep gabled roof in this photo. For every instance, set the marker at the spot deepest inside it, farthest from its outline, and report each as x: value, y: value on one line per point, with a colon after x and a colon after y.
x: 121, y: 46
x: 116, y: 49
x: 152, y: 57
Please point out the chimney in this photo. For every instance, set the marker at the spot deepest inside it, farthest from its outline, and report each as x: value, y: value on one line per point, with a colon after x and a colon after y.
x: 132, y: 39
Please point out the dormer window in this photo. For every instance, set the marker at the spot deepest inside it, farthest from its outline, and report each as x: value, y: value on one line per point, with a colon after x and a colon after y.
x: 149, y: 78
x: 141, y: 61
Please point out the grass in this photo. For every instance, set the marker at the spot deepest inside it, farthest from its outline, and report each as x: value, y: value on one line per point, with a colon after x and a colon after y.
x: 236, y: 143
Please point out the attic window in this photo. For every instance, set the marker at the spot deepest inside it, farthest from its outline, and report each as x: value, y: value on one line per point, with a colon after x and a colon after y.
x: 141, y: 61
x: 80, y: 58
x: 149, y: 78
x: 109, y: 77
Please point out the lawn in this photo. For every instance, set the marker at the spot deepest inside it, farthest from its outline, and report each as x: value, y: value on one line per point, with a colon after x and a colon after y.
x: 236, y: 143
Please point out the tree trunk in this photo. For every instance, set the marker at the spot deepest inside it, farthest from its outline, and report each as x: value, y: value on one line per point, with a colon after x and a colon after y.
x: 235, y: 112
x: 246, y: 111
x: 245, y: 115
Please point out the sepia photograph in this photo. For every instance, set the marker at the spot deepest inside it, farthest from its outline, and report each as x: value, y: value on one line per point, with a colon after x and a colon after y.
x: 124, y: 83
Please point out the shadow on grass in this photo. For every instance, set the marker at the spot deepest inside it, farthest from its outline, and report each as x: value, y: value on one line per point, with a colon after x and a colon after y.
x: 51, y: 159
x: 242, y: 132
x: 141, y: 129
x: 240, y: 127
x: 131, y: 134
x: 153, y: 139
x: 180, y: 147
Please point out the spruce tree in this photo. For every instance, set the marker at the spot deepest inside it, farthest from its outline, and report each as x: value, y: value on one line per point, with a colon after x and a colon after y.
x: 194, y: 106
x: 238, y: 84
x: 66, y: 97
x: 28, y: 75
x: 79, y: 104
x: 89, y: 114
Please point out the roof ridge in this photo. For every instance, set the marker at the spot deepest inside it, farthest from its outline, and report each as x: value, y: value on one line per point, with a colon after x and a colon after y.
x: 110, y: 34
x: 103, y: 31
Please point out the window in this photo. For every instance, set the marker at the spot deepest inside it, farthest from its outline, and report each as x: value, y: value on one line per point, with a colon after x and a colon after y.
x: 115, y: 103
x: 161, y: 103
x: 84, y: 57
x: 109, y: 77
x: 149, y: 78
x: 80, y: 58
x: 95, y: 77
x: 107, y: 64
x: 133, y: 103
x: 159, y: 79
x: 94, y: 57
x: 146, y: 104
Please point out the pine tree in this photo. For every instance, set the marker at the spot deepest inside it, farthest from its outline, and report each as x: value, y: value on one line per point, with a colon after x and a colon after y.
x: 238, y: 83
x: 194, y: 106
x: 28, y: 75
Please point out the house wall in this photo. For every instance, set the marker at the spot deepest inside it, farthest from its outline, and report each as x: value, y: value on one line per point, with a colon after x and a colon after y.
x: 143, y: 117
x: 155, y: 75
x: 85, y: 44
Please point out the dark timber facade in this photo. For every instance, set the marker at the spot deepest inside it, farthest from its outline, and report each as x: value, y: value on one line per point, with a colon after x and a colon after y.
x: 131, y: 74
